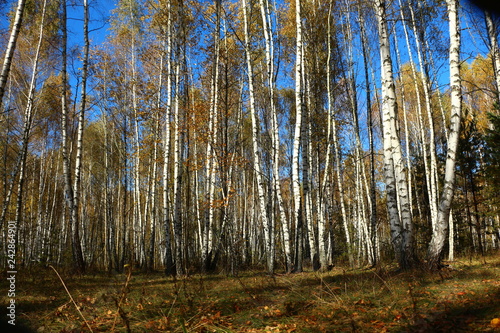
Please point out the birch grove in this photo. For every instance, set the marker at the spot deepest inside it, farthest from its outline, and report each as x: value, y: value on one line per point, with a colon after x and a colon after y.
x: 194, y: 136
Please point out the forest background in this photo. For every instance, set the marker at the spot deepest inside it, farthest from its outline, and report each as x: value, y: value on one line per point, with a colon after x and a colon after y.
x: 196, y: 136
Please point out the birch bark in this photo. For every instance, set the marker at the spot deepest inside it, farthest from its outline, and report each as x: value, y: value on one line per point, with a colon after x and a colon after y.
x: 373, y: 192
x: 257, y: 163
x: 11, y: 47
x: 297, y: 209
x: 440, y: 229
x: 28, y: 121
x: 430, y: 130
x: 267, y: 27
x: 210, y: 164
x: 398, y: 204
x: 70, y: 188
x: 177, y: 175
x: 169, y: 264
x: 139, y: 248
x: 494, y: 50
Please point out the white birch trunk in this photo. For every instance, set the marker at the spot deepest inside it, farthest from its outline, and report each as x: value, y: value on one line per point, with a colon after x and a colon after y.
x: 177, y: 174
x: 340, y: 185
x: 297, y: 211
x: 169, y: 269
x: 307, y: 182
x: 494, y: 50
x: 430, y: 129
x: 268, y: 232
x: 267, y: 24
x: 71, y: 196
x: 138, y: 232
x: 406, y: 126
x: 11, y: 47
x: 440, y: 230
x: 28, y: 120
x: 423, y: 136
x: 210, y: 165
x: 323, y: 192
x: 351, y: 89
x: 451, y: 238
x: 395, y: 174
x: 154, y: 184
x: 372, y: 195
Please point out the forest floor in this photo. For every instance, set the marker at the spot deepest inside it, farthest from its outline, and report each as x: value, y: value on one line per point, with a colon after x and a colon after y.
x: 462, y: 298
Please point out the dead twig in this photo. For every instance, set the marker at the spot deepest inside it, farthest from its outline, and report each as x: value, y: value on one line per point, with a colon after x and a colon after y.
x: 71, y: 297
x: 123, y: 294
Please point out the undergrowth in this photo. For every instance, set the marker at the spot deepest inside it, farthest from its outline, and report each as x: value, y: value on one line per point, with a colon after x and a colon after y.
x: 461, y: 298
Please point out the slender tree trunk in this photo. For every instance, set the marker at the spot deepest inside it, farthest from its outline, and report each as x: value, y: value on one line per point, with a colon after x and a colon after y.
x: 137, y: 230
x: 494, y: 50
x: 297, y: 205
x: 324, y: 183
x: 81, y: 123
x: 433, y: 190
x: 69, y: 189
x: 306, y: 185
x: 11, y: 47
x: 210, y: 165
x: 451, y: 238
x: 340, y: 186
x: 28, y: 120
x: 421, y: 126
x: 257, y: 162
x: 352, y: 92
x: 267, y: 24
x: 398, y: 204
x: 373, y: 192
x: 406, y: 123
x: 440, y: 229
x: 154, y: 190
x: 169, y: 264
x: 177, y: 176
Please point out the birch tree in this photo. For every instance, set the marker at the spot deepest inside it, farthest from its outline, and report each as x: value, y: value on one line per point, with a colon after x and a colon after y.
x: 257, y: 162
x: 440, y: 229
x: 210, y: 162
x: 169, y: 264
x: 70, y: 187
x: 432, y: 170
x: 271, y: 83
x: 11, y: 47
x: 398, y: 205
x: 370, y: 125
x: 297, y: 202
x: 28, y: 122
x: 491, y: 26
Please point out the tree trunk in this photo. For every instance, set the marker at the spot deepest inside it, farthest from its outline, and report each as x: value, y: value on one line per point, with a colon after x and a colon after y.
x: 28, y: 120
x: 398, y: 204
x: 297, y: 205
x: 138, y: 232
x: 169, y: 263
x: 432, y: 171
x: 370, y: 125
x: 440, y: 230
x: 69, y: 189
x: 177, y: 176
x: 494, y: 50
x: 11, y: 47
x: 210, y: 164
x: 267, y: 24
x: 257, y: 163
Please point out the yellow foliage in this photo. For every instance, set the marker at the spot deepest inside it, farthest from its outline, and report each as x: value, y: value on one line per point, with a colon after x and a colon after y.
x: 495, y: 322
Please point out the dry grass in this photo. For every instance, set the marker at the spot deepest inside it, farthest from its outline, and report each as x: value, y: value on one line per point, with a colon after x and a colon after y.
x: 463, y: 299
